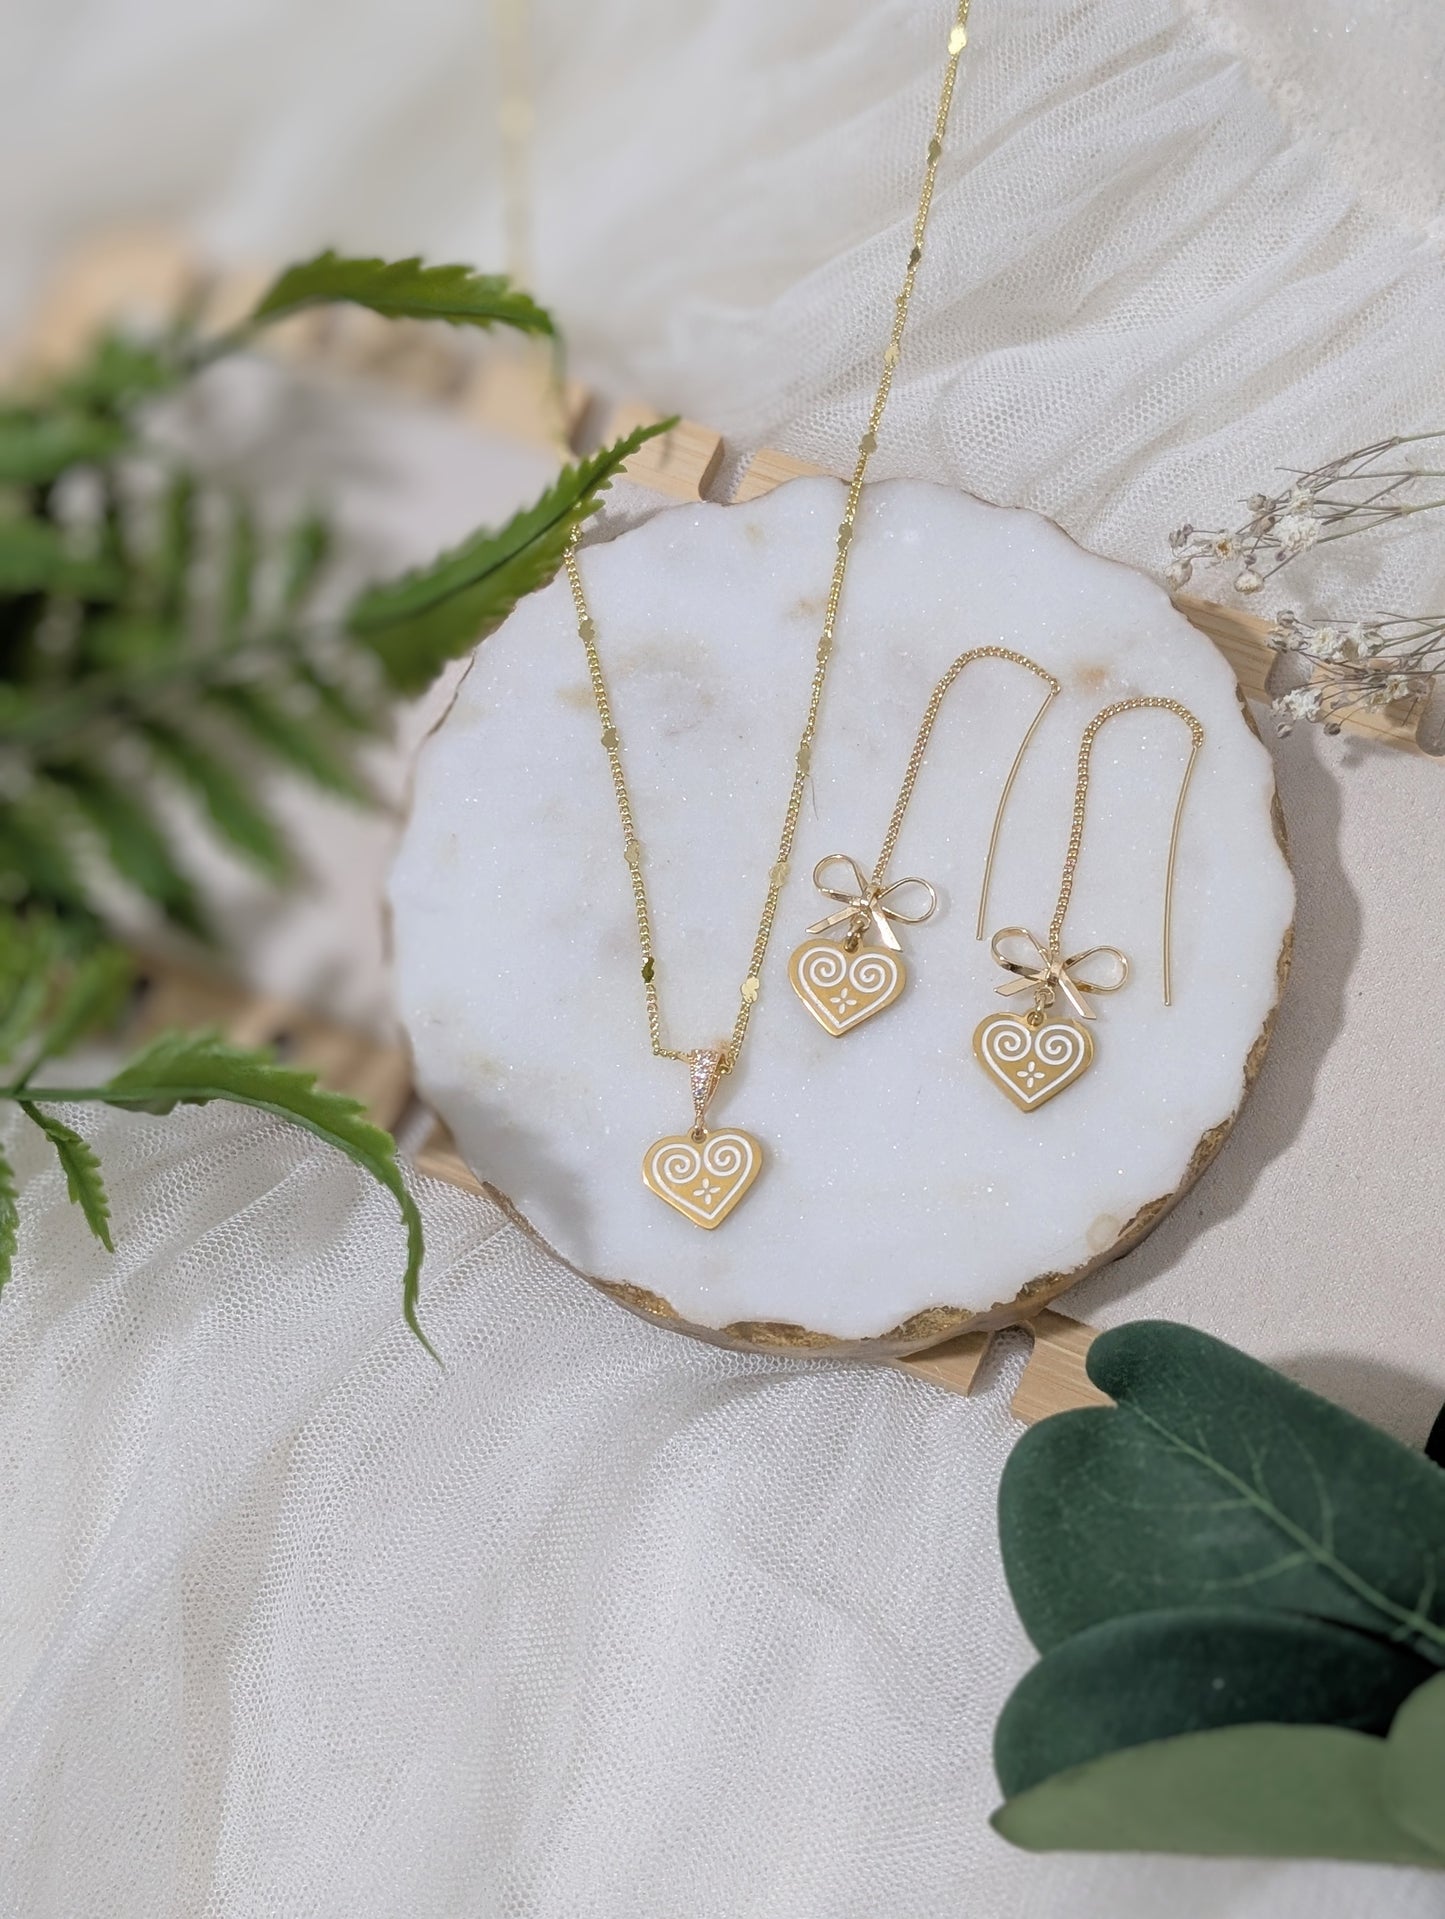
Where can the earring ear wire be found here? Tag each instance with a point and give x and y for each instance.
(1135, 704)
(1008, 786)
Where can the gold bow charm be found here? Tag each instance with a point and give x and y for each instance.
(868, 902)
(1048, 975)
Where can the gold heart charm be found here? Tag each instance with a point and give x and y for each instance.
(1030, 1063)
(842, 989)
(703, 1179)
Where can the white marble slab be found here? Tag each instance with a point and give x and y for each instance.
(898, 1180)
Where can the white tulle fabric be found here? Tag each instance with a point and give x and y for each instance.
(594, 1623)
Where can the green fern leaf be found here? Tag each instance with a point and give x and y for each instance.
(118, 372)
(404, 289)
(176, 550)
(339, 703)
(9, 1220)
(260, 713)
(308, 547)
(193, 1068)
(31, 948)
(90, 997)
(35, 860)
(229, 807)
(37, 447)
(416, 624)
(37, 557)
(240, 580)
(82, 1171)
(134, 842)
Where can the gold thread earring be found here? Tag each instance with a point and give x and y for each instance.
(843, 982)
(1032, 1057)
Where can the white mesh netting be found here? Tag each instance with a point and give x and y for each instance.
(595, 1623)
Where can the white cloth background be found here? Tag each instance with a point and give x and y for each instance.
(595, 1621)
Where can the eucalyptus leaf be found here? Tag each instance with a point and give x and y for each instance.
(417, 623)
(1215, 1481)
(1149, 1676)
(1414, 1765)
(1268, 1792)
(404, 289)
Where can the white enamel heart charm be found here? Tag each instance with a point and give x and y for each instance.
(1032, 1064)
(703, 1179)
(842, 989)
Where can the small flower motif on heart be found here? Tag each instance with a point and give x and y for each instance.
(706, 1193)
(1029, 1076)
(843, 1002)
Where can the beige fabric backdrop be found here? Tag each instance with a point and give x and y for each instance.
(596, 1622)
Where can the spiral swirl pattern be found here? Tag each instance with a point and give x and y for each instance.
(1032, 1065)
(842, 989)
(703, 1179)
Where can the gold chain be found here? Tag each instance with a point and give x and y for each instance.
(920, 746)
(778, 872)
(1076, 828)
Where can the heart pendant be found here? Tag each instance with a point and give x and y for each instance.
(1032, 1064)
(842, 989)
(703, 1179)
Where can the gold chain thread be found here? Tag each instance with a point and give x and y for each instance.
(777, 873)
(1137, 704)
(920, 748)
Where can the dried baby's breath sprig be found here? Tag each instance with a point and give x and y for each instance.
(1363, 666)
(1356, 666)
(1355, 493)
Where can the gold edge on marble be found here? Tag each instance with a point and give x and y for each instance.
(933, 1325)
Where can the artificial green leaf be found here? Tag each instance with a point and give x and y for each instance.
(338, 703)
(1414, 1765)
(240, 578)
(1262, 1792)
(294, 740)
(9, 1220)
(82, 1171)
(176, 548)
(35, 860)
(125, 644)
(118, 371)
(89, 997)
(193, 1068)
(307, 547)
(31, 948)
(1215, 1481)
(1149, 1676)
(229, 806)
(416, 624)
(134, 842)
(404, 289)
(36, 447)
(37, 557)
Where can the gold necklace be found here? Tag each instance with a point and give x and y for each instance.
(703, 1174)
(1029, 1056)
(843, 983)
